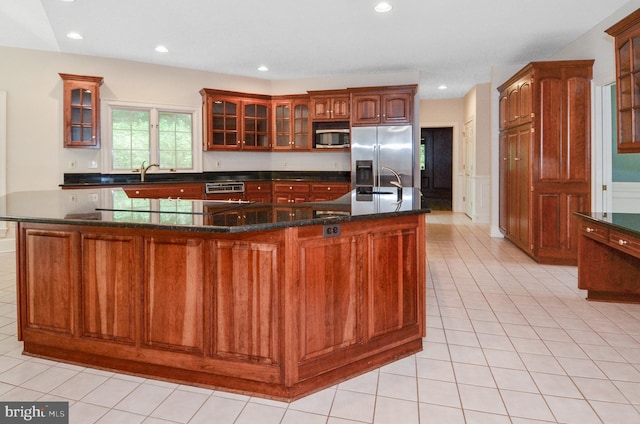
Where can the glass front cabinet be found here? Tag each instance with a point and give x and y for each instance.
(627, 50)
(81, 104)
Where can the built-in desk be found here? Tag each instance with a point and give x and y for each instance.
(609, 256)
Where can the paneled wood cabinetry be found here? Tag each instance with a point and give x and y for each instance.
(609, 260)
(627, 49)
(290, 192)
(258, 191)
(382, 106)
(297, 192)
(323, 192)
(330, 105)
(81, 109)
(167, 191)
(235, 121)
(545, 162)
(291, 123)
(279, 313)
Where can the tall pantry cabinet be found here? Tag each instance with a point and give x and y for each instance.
(545, 157)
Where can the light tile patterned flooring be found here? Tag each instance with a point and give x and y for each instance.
(508, 341)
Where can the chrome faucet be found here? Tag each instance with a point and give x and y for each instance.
(397, 183)
(144, 169)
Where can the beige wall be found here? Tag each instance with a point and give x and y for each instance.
(36, 159)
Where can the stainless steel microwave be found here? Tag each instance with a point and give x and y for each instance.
(334, 138)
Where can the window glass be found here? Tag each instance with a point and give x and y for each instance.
(130, 138)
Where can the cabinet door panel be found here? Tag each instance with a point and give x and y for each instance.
(50, 284)
(549, 212)
(550, 153)
(329, 310)
(110, 275)
(392, 261)
(174, 293)
(397, 108)
(245, 301)
(523, 187)
(577, 165)
(366, 109)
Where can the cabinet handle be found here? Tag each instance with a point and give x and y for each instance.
(516, 158)
(589, 230)
(622, 242)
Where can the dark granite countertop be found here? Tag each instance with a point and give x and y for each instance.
(111, 207)
(77, 180)
(628, 222)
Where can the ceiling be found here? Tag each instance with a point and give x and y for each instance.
(450, 42)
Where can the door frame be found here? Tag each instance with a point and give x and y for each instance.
(457, 183)
(601, 172)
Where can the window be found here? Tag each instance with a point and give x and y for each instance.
(162, 135)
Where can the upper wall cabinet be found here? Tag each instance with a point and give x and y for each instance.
(81, 103)
(330, 105)
(235, 121)
(291, 123)
(382, 105)
(627, 45)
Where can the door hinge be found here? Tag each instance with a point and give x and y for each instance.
(533, 130)
(604, 187)
(531, 189)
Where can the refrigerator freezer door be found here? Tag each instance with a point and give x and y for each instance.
(364, 142)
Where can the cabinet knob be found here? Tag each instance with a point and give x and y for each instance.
(622, 242)
(181, 190)
(516, 158)
(290, 188)
(328, 188)
(137, 191)
(589, 230)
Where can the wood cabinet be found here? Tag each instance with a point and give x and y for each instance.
(291, 123)
(330, 105)
(545, 161)
(193, 191)
(609, 259)
(627, 52)
(382, 105)
(290, 192)
(259, 191)
(235, 121)
(81, 110)
(324, 192)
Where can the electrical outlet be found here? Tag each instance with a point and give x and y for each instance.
(72, 164)
(93, 197)
(92, 164)
(73, 198)
(217, 164)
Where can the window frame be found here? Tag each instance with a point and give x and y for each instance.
(154, 110)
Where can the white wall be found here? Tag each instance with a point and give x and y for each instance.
(36, 159)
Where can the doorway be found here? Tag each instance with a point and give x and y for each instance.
(436, 167)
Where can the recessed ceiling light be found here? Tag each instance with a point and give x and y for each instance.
(383, 7)
(442, 87)
(74, 35)
(263, 68)
(162, 49)
(68, 1)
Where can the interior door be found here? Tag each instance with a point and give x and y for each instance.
(469, 155)
(436, 166)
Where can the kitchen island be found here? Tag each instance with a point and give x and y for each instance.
(266, 299)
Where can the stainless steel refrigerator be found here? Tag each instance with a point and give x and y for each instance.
(378, 154)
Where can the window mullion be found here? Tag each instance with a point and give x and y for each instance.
(154, 151)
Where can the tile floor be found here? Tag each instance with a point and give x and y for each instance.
(509, 341)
